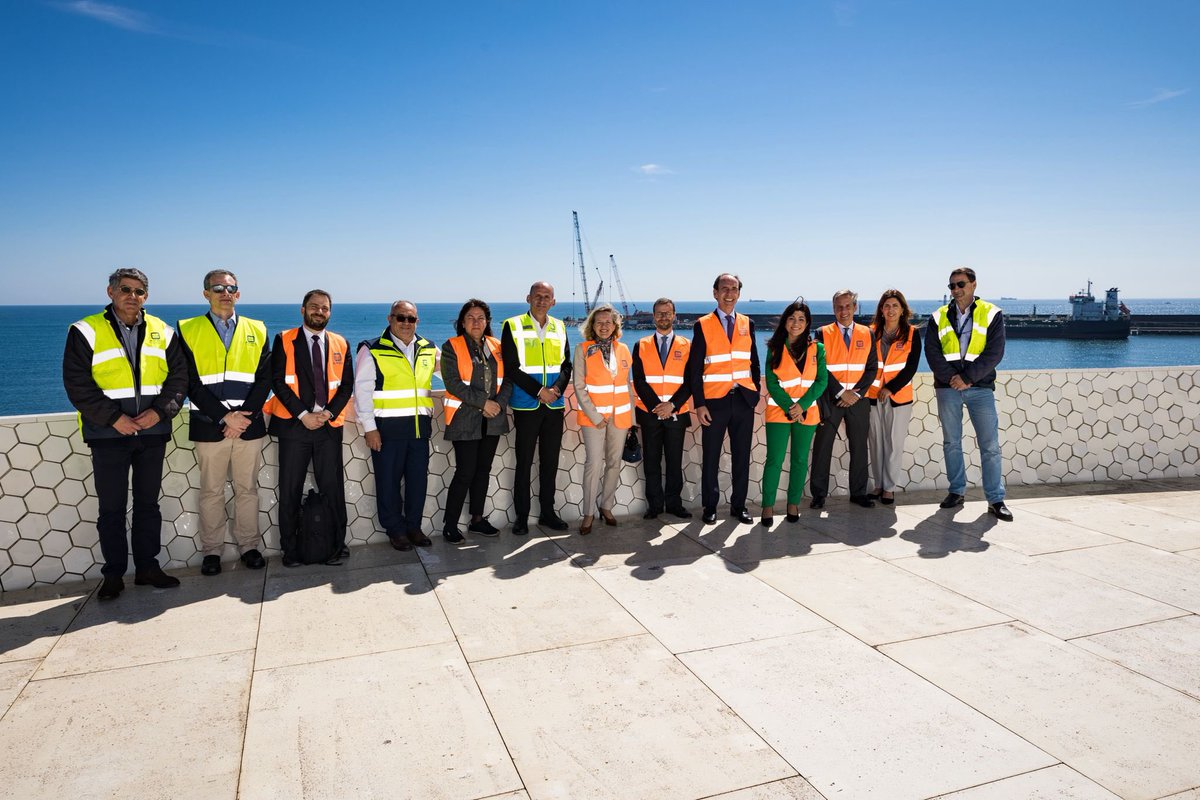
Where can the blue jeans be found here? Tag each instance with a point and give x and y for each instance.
(981, 405)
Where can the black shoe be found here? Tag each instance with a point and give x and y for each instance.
(743, 517)
(453, 536)
(111, 587)
(1000, 512)
(483, 528)
(863, 500)
(792, 517)
(253, 559)
(710, 516)
(290, 562)
(817, 502)
(951, 500)
(211, 565)
(521, 529)
(552, 522)
(767, 522)
(418, 539)
(399, 542)
(154, 576)
(651, 514)
(343, 552)
(887, 501)
(680, 511)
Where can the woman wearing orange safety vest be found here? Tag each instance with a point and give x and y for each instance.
(604, 393)
(796, 377)
(475, 403)
(898, 348)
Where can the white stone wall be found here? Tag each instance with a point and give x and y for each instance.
(1056, 427)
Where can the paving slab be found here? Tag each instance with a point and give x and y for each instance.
(620, 719)
(1158, 574)
(1167, 651)
(856, 724)
(873, 600)
(401, 724)
(1190, 553)
(1125, 520)
(788, 789)
(1184, 504)
(1030, 534)
(1133, 736)
(750, 545)
(31, 622)
(316, 617)
(704, 603)
(631, 543)
(13, 677)
(202, 616)
(508, 610)
(480, 552)
(1059, 601)
(365, 556)
(1059, 782)
(898, 533)
(171, 729)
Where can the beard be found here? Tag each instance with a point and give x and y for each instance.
(315, 323)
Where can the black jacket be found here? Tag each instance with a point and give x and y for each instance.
(208, 425)
(301, 400)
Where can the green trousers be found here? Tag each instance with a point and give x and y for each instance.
(778, 434)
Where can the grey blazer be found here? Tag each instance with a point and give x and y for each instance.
(468, 423)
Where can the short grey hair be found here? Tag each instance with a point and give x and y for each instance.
(214, 273)
(845, 293)
(114, 280)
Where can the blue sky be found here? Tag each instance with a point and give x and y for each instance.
(436, 150)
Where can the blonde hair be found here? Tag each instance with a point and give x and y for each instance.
(587, 327)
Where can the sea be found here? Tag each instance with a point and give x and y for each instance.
(34, 336)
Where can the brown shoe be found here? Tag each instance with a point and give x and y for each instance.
(608, 518)
(585, 527)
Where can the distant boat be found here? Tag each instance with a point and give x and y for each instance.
(756, 301)
(1008, 298)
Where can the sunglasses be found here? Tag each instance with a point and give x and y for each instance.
(957, 284)
(404, 318)
(222, 288)
(134, 290)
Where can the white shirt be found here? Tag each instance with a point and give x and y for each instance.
(308, 343)
(364, 379)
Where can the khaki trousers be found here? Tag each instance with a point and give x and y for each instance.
(238, 461)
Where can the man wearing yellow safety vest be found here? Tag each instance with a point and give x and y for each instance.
(229, 380)
(964, 343)
(393, 399)
(126, 374)
(537, 359)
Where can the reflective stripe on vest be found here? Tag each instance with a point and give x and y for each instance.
(726, 363)
(846, 364)
(111, 369)
(336, 351)
(540, 359)
(664, 380)
(795, 382)
(466, 370)
(403, 389)
(609, 392)
(229, 374)
(985, 312)
(890, 364)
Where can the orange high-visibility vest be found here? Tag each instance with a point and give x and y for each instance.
(609, 392)
(336, 351)
(846, 364)
(664, 379)
(796, 382)
(726, 363)
(890, 363)
(466, 368)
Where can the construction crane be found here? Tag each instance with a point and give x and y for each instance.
(599, 289)
(612, 265)
(587, 304)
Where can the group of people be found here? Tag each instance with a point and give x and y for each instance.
(128, 373)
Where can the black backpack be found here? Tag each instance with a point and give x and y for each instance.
(317, 539)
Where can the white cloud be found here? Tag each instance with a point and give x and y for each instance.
(654, 169)
(117, 16)
(1159, 96)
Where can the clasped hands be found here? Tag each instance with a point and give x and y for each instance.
(129, 426)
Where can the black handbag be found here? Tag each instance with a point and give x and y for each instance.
(633, 447)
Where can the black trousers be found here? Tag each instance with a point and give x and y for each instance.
(538, 429)
(733, 415)
(112, 461)
(473, 473)
(662, 439)
(858, 427)
(401, 479)
(323, 450)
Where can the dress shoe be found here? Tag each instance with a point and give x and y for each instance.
(290, 562)
(553, 522)
(651, 514)
(418, 539)
(211, 565)
(887, 501)
(521, 528)
(793, 513)
(863, 500)
(792, 517)
(1000, 512)
(399, 542)
(680, 511)
(343, 552)
(483, 528)
(817, 502)
(608, 518)
(453, 536)
(585, 527)
(767, 522)
(154, 576)
(951, 500)
(111, 587)
(253, 559)
(710, 516)
(743, 517)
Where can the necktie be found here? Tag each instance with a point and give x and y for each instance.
(729, 326)
(320, 388)
(663, 349)
(846, 336)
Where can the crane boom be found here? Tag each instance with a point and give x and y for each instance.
(587, 306)
(612, 263)
(599, 289)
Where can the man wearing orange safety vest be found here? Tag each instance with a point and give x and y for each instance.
(312, 375)
(724, 375)
(660, 382)
(852, 364)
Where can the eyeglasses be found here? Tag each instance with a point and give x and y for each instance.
(957, 284)
(222, 288)
(405, 318)
(134, 290)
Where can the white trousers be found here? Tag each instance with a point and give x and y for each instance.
(602, 448)
(889, 429)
